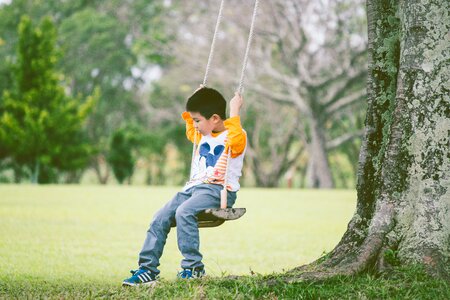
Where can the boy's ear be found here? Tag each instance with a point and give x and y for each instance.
(216, 117)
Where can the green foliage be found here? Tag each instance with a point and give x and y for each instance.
(132, 141)
(120, 155)
(152, 37)
(101, 42)
(108, 39)
(163, 96)
(391, 257)
(184, 146)
(95, 39)
(40, 127)
(96, 56)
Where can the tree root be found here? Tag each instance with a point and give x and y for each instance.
(346, 259)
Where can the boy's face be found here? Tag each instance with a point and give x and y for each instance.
(203, 125)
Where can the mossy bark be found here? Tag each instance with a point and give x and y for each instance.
(402, 213)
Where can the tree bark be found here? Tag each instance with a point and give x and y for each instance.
(402, 215)
(319, 172)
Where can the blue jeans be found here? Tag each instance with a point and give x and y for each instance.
(183, 208)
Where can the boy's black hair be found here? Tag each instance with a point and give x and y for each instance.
(207, 102)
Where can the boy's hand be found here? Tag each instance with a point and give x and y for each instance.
(236, 104)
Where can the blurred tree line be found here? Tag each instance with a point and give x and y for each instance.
(98, 86)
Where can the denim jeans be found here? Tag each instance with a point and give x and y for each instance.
(183, 208)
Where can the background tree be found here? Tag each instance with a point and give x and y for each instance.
(274, 147)
(165, 102)
(313, 56)
(312, 51)
(40, 127)
(117, 42)
(307, 57)
(120, 156)
(115, 46)
(402, 214)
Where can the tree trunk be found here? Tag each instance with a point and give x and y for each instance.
(73, 177)
(35, 170)
(97, 164)
(402, 214)
(19, 173)
(319, 172)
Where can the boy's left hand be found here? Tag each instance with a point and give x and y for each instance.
(236, 104)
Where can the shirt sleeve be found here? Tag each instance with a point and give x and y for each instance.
(190, 129)
(237, 138)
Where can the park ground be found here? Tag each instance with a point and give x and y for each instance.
(70, 242)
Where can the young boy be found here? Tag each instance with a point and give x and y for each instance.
(207, 126)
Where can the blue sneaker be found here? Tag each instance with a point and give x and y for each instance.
(191, 273)
(139, 277)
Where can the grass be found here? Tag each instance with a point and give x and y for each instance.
(80, 242)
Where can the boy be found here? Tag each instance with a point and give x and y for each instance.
(205, 126)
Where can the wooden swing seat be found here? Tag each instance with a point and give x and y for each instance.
(213, 217)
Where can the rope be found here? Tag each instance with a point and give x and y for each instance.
(208, 67)
(223, 200)
(213, 43)
(224, 193)
(247, 50)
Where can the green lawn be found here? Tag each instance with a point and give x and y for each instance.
(80, 242)
(79, 232)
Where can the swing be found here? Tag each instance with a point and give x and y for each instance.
(214, 217)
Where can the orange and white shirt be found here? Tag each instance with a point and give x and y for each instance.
(210, 158)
